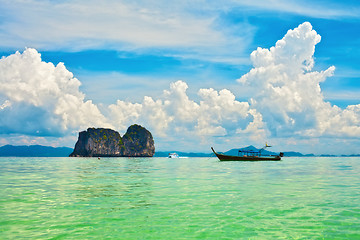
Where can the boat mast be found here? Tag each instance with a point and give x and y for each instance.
(266, 146)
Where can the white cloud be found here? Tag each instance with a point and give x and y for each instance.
(6, 104)
(125, 113)
(139, 24)
(38, 98)
(327, 10)
(183, 30)
(256, 130)
(42, 99)
(287, 91)
(113, 23)
(197, 30)
(181, 106)
(174, 114)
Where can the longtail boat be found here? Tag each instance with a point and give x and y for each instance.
(244, 155)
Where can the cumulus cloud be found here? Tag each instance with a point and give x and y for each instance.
(174, 113)
(42, 99)
(288, 93)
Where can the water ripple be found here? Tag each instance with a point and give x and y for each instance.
(192, 198)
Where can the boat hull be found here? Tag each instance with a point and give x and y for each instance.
(223, 157)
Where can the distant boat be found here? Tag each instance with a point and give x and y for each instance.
(244, 155)
(173, 155)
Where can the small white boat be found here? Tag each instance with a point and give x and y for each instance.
(173, 155)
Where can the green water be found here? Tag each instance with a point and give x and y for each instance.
(186, 198)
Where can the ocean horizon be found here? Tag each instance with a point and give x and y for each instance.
(184, 198)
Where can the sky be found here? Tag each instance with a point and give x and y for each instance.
(196, 74)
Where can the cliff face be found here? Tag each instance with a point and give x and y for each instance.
(138, 142)
(101, 142)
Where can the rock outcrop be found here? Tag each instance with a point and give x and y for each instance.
(102, 142)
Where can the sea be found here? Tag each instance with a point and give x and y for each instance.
(181, 198)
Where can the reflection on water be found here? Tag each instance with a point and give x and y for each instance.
(121, 181)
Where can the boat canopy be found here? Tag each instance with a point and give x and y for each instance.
(249, 153)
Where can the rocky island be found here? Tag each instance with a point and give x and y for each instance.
(103, 142)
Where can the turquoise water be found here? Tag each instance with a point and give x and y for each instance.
(186, 198)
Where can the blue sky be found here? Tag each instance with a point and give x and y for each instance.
(196, 74)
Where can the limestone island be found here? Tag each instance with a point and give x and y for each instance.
(103, 142)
